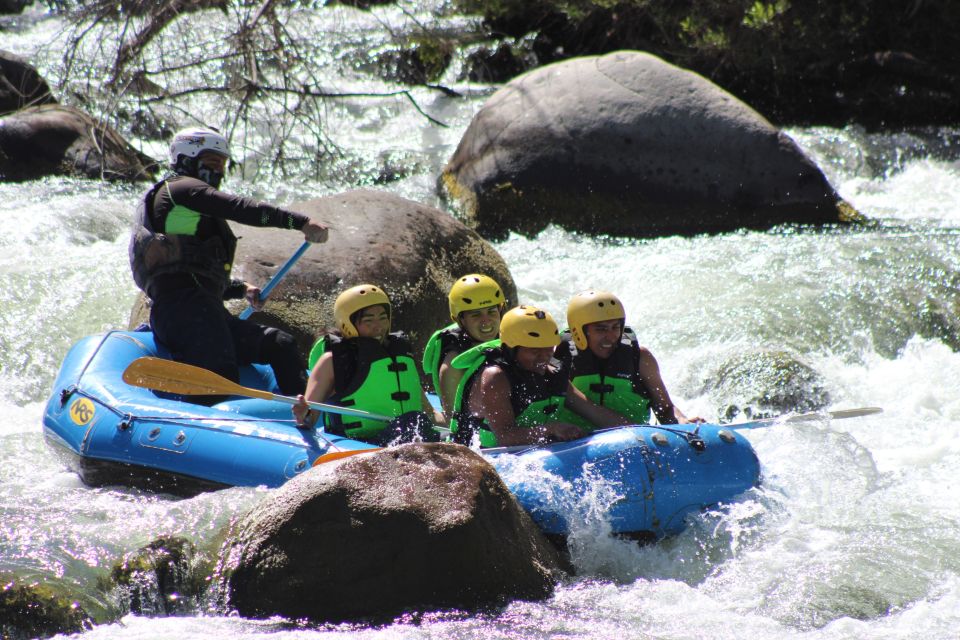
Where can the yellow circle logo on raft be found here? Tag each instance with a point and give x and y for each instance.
(82, 411)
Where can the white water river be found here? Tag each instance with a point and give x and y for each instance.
(855, 533)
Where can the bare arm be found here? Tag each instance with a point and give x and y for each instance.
(490, 400)
(437, 416)
(450, 378)
(319, 388)
(600, 416)
(663, 407)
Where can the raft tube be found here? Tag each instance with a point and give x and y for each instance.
(112, 433)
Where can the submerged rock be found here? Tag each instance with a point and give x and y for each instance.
(161, 578)
(30, 609)
(53, 139)
(413, 528)
(765, 384)
(627, 144)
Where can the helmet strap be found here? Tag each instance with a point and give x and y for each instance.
(185, 166)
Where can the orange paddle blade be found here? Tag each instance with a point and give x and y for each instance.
(336, 455)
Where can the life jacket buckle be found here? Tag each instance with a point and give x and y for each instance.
(397, 367)
(600, 387)
(400, 396)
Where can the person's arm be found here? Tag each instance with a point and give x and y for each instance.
(437, 416)
(319, 388)
(450, 378)
(663, 407)
(199, 196)
(490, 400)
(598, 415)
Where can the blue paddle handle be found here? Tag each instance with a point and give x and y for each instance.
(277, 277)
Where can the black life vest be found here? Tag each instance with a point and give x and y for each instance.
(615, 382)
(154, 254)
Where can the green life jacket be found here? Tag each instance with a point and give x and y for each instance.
(443, 341)
(615, 382)
(178, 250)
(372, 376)
(535, 399)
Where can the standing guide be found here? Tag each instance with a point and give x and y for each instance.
(182, 251)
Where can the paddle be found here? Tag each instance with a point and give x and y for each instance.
(343, 453)
(755, 424)
(186, 379)
(807, 417)
(246, 313)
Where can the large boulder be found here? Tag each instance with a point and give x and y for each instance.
(20, 84)
(54, 139)
(628, 144)
(413, 251)
(414, 528)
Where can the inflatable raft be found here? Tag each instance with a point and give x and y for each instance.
(112, 433)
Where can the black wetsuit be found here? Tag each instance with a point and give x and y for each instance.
(187, 314)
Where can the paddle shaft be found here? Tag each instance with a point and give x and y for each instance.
(246, 313)
(177, 377)
(756, 424)
(807, 417)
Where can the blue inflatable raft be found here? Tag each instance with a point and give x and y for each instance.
(112, 433)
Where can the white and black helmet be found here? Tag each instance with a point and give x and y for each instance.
(192, 142)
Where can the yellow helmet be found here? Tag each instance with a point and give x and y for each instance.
(474, 291)
(591, 306)
(527, 326)
(354, 299)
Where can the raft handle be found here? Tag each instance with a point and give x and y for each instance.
(695, 441)
(66, 393)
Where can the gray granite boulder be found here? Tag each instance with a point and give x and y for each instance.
(419, 527)
(627, 144)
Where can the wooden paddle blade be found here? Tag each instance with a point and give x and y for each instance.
(176, 377)
(336, 455)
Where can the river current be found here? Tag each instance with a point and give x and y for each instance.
(855, 532)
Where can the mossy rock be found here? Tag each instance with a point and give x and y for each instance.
(765, 384)
(34, 609)
(165, 577)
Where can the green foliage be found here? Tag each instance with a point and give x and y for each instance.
(701, 35)
(761, 15)
(434, 53)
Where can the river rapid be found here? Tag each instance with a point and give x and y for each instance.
(855, 531)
